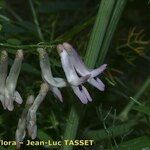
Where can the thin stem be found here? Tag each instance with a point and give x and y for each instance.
(36, 21)
(124, 114)
(26, 46)
(120, 4)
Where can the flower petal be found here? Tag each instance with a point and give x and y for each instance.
(46, 70)
(56, 92)
(76, 59)
(68, 68)
(2, 99)
(79, 64)
(87, 94)
(98, 71)
(3, 75)
(97, 83)
(60, 82)
(80, 94)
(18, 97)
(80, 80)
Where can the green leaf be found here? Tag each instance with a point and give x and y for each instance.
(143, 109)
(136, 144)
(111, 132)
(111, 29)
(43, 136)
(98, 32)
(14, 41)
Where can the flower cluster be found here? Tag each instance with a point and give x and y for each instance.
(8, 93)
(76, 74)
(75, 70)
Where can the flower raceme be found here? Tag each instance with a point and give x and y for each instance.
(75, 70)
(54, 83)
(8, 93)
(73, 64)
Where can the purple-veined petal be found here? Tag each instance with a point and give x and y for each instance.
(80, 80)
(97, 83)
(80, 94)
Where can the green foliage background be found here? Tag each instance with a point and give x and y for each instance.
(116, 33)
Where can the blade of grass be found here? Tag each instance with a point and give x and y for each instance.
(111, 29)
(114, 131)
(138, 143)
(98, 33)
(36, 21)
(124, 114)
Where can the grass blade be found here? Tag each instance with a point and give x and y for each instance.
(124, 114)
(36, 21)
(98, 135)
(99, 30)
(111, 29)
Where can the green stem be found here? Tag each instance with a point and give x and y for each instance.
(124, 114)
(36, 21)
(26, 46)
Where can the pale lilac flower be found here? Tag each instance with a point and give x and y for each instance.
(83, 70)
(31, 116)
(10, 88)
(72, 77)
(21, 128)
(54, 83)
(3, 75)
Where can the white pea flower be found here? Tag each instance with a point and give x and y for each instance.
(11, 94)
(73, 79)
(83, 70)
(54, 82)
(31, 116)
(21, 128)
(3, 75)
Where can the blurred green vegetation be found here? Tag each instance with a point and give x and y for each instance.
(27, 24)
